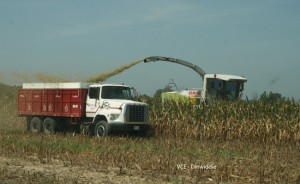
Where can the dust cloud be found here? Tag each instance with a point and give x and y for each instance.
(14, 77)
(104, 76)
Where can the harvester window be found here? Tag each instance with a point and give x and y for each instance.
(220, 84)
(232, 90)
(212, 84)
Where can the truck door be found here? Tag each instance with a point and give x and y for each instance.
(93, 101)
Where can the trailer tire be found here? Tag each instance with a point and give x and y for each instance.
(49, 125)
(102, 129)
(36, 125)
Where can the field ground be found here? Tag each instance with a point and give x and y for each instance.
(15, 170)
(68, 158)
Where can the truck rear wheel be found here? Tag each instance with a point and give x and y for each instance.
(49, 125)
(36, 125)
(102, 128)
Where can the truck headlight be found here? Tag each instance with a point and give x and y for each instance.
(114, 116)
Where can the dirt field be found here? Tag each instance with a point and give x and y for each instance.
(37, 158)
(14, 170)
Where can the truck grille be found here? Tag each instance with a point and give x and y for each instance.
(137, 113)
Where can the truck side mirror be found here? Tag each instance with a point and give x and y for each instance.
(133, 92)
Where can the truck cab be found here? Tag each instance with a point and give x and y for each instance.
(112, 109)
(221, 86)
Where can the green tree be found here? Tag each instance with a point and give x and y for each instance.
(265, 96)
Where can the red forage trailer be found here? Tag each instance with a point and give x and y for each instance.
(53, 99)
(46, 104)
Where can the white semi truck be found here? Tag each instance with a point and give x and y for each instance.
(97, 108)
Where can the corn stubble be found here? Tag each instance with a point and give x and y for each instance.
(232, 161)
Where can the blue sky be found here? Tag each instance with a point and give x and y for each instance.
(259, 39)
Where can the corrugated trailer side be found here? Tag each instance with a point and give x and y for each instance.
(52, 99)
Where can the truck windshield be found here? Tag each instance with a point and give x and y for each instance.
(116, 92)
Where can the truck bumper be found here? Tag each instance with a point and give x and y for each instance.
(121, 127)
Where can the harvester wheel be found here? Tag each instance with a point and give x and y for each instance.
(36, 125)
(49, 125)
(102, 128)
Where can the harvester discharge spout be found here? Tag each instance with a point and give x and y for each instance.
(196, 68)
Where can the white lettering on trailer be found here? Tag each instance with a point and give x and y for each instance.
(50, 107)
(44, 107)
(66, 108)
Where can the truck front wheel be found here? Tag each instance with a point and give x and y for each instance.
(36, 125)
(49, 125)
(101, 128)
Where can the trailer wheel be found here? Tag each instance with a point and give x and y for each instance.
(49, 125)
(36, 125)
(102, 128)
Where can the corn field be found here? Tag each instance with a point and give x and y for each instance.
(256, 121)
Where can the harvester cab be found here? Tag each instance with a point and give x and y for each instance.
(215, 86)
(225, 87)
